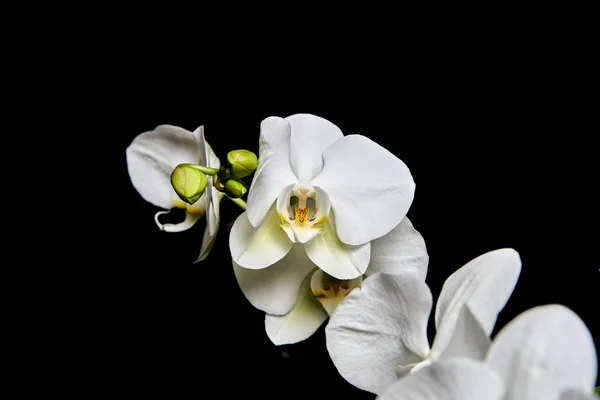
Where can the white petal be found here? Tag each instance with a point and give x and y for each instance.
(458, 379)
(214, 210)
(213, 160)
(403, 249)
(198, 134)
(572, 394)
(258, 248)
(213, 219)
(208, 157)
(302, 234)
(273, 172)
(187, 223)
(370, 189)
(151, 158)
(543, 351)
(275, 289)
(212, 196)
(405, 369)
(300, 323)
(469, 339)
(310, 136)
(288, 231)
(339, 260)
(378, 327)
(485, 284)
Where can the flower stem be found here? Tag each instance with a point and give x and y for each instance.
(239, 202)
(206, 170)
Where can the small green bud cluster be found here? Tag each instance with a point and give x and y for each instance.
(189, 181)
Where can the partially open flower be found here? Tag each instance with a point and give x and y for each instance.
(546, 352)
(379, 332)
(331, 194)
(151, 158)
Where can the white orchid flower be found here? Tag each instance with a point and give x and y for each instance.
(297, 296)
(379, 332)
(451, 379)
(331, 194)
(151, 158)
(546, 352)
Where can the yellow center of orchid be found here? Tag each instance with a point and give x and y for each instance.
(198, 207)
(301, 200)
(331, 291)
(299, 213)
(302, 213)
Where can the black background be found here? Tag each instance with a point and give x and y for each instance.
(498, 149)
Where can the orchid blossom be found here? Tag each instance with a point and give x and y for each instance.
(379, 332)
(546, 352)
(151, 158)
(297, 296)
(322, 193)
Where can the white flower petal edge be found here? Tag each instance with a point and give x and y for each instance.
(572, 394)
(379, 326)
(339, 260)
(258, 248)
(209, 159)
(310, 136)
(469, 339)
(189, 221)
(275, 289)
(152, 156)
(274, 171)
(198, 134)
(484, 284)
(213, 220)
(403, 249)
(458, 379)
(370, 189)
(542, 352)
(301, 322)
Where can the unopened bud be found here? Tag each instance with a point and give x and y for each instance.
(243, 162)
(235, 189)
(189, 183)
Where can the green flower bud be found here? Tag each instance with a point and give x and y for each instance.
(235, 189)
(243, 162)
(189, 183)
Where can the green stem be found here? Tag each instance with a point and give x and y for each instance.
(206, 170)
(239, 202)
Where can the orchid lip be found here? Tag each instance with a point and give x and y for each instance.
(330, 291)
(303, 210)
